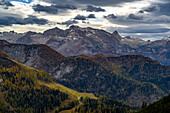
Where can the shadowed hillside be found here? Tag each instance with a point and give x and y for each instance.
(116, 77)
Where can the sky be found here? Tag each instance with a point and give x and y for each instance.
(145, 19)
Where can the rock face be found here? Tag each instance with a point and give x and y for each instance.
(97, 74)
(11, 36)
(76, 41)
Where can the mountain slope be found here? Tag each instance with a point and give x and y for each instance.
(143, 69)
(137, 67)
(21, 92)
(24, 89)
(161, 106)
(85, 74)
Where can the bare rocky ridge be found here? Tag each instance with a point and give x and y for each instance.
(76, 40)
(11, 36)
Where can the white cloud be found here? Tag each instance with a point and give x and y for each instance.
(121, 11)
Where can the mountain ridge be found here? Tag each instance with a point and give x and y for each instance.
(76, 40)
(92, 73)
(25, 89)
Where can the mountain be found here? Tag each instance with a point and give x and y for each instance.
(142, 69)
(166, 38)
(79, 40)
(115, 77)
(161, 106)
(11, 36)
(76, 41)
(25, 89)
(20, 91)
(133, 42)
(137, 67)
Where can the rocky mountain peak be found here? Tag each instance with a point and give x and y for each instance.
(166, 38)
(116, 34)
(12, 32)
(77, 28)
(53, 32)
(30, 33)
(74, 27)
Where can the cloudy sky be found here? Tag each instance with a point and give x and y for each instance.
(146, 19)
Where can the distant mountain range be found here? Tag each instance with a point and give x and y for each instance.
(76, 41)
(131, 78)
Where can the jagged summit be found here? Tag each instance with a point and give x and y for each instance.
(116, 34)
(53, 32)
(30, 33)
(166, 38)
(85, 29)
(74, 27)
(86, 40)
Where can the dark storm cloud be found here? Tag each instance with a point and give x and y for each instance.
(91, 8)
(159, 8)
(135, 17)
(69, 22)
(152, 32)
(142, 29)
(141, 11)
(152, 9)
(6, 3)
(47, 9)
(158, 19)
(53, 9)
(92, 2)
(164, 9)
(110, 16)
(80, 17)
(34, 20)
(145, 30)
(66, 6)
(91, 16)
(10, 20)
(104, 2)
(55, 1)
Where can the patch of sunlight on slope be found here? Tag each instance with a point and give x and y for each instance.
(24, 67)
(67, 90)
(73, 95)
